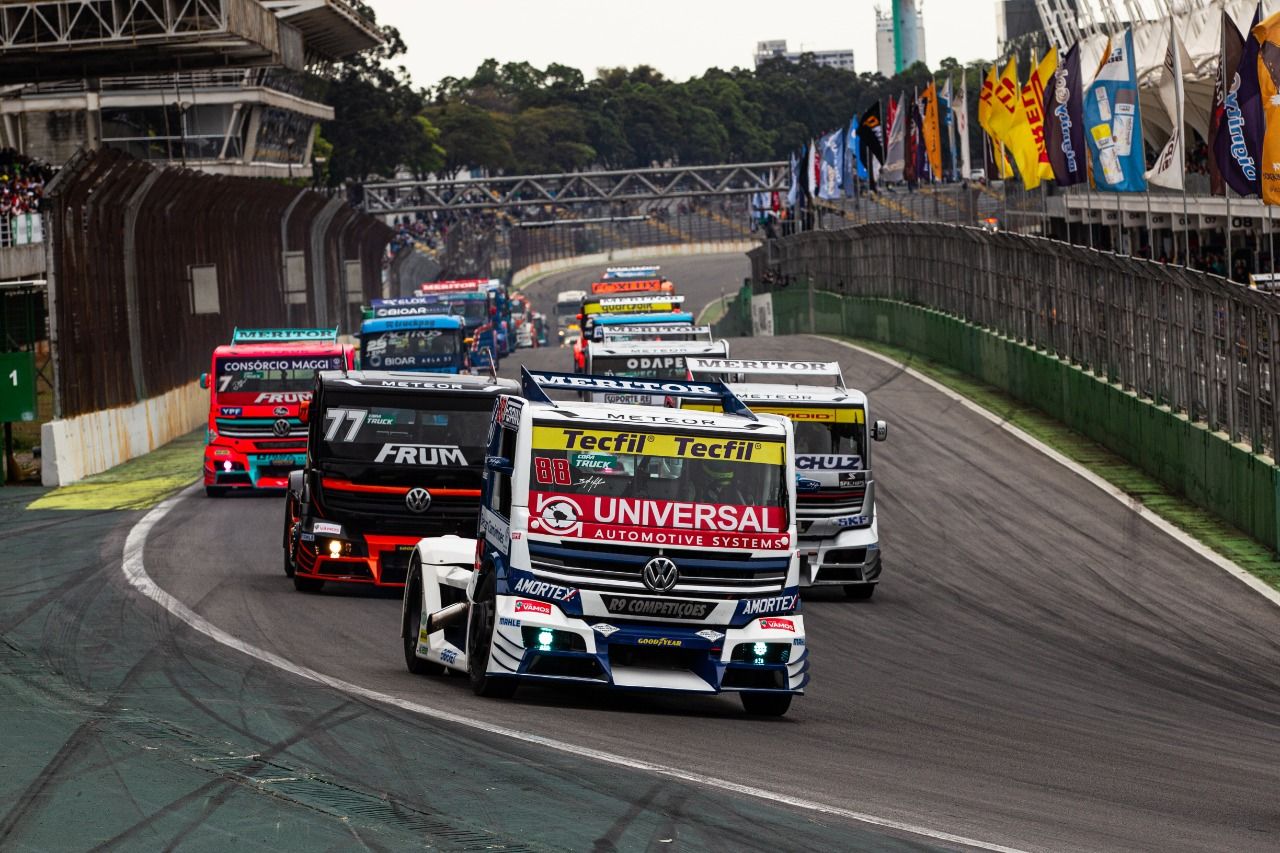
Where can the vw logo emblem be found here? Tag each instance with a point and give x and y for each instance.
(418, 500)
(660, 574)
(280, 427)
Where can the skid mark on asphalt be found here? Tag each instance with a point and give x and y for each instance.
(135, 572)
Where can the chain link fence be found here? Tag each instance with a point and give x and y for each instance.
(1193, 342)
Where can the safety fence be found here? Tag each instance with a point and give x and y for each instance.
(1169, 367)
(151, 268)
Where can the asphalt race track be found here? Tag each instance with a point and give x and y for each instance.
(1040, 668)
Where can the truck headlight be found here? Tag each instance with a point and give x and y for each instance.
(335, 548)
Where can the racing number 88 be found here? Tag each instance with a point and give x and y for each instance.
(552, 471)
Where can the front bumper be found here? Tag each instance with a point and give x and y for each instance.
(235, 469)
(849, 557)
(647, 656)
(364, 559)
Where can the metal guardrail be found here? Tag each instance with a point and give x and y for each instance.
(1197, 343)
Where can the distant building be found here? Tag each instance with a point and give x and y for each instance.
(899, 37)
(777, 49)
(1015, 19)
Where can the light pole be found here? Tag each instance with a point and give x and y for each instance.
(291, 142)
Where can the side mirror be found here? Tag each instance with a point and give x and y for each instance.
(499, 464)
(304, 411)
(879, 431)
(468, 341)
(204, 381)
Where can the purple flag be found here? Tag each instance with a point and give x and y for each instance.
(1064, 124)
(1239, 139)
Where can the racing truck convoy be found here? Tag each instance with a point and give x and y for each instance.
(390, 458)
(624, 546)
(256, 387)
(644, 309)
(835, 502)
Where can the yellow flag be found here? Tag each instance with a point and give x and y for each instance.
(1009, 125)
(1268, 35)
(1003, 169)
(932, 132)
(1033, 104)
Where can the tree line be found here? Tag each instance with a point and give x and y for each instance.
(514, 118)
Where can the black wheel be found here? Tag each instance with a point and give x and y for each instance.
(859, 591)
(288, 538)
(413, 619)
(302, 584)
(479, 643)
(215, 491)
(766, 704)
(288, 564)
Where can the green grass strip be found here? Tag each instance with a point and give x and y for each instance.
(140, 483)
(1213, 532)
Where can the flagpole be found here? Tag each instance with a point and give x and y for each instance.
(1226, 193)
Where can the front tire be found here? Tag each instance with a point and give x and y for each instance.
(302, 584)
(480, 644)
(766, 704)
(859, 591)
(413, 621)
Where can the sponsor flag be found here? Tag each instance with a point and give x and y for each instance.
(1217, 186)
(1170, 166)
(1267, 35)
(1113, 122)
(1064, 122)
(813, 169)
(961, 111)
(1238, 143)
(919, 162)
(1009, 125)
(998, 167)
(1033, 104)
(895, 147)
(849, 166)
(831, 166)
(931, 130)
(870, 136)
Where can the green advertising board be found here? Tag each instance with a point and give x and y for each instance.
(17, 386)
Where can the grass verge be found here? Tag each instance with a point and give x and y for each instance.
(140, 483)
(1214, 533)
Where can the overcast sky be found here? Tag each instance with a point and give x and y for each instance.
(681, 38)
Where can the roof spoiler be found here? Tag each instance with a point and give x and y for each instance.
(613, 273)
(769, 368)
(675, 330)
(533, 382)
(281, 336)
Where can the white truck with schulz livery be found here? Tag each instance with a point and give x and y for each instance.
(835, 495)
(629, 547)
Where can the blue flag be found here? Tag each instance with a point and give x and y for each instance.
(1113, 123)
(831, 168)
(793, 192)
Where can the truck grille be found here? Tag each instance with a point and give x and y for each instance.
(259, 428)
(618, 569)
(387, 513)
(830, 503)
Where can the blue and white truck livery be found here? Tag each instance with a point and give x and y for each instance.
(629, 547)
(839, 536)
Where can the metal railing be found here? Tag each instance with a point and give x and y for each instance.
(21, 229)
(1195, 342)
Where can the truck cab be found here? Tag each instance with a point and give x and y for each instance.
(391, 457)
(629, 547)
(647, 360)
(421, 342)
(257, 385)
(839, 534)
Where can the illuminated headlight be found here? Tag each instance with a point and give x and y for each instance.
(551, 640)
(762, 653)
(545, 638)
(760, 649)
(226, 465)
(335, 548)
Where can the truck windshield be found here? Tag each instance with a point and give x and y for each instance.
(473, 312)
(828, 432)
(659, 488)
(647, 366)
(411, 349)
(253, 374)
(411, 429)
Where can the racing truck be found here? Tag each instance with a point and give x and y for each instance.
(431, 342)
(567, 304)
(835, 501)
(256, 386)
(645, 308)
(623, 546)
(391, 457)
(647, 360)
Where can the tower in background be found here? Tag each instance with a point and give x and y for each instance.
(899, 37)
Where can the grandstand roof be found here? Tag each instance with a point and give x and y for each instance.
(332, 29)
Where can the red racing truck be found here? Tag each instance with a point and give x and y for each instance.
(256, 385)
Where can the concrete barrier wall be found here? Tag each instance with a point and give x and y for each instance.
(74, 448)
(1217, 475)
(524, 276)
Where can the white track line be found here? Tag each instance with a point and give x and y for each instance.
(1256, 584)
(135, 572)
